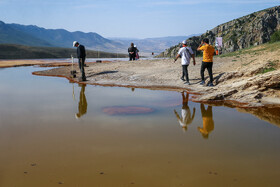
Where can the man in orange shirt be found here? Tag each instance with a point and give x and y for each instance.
(207, 62)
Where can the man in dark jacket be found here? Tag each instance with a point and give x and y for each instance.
(132, 52)
(81, 55)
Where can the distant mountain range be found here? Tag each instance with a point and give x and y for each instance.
(156, 45)
(36, 36)
(15, 51)
(32, 35)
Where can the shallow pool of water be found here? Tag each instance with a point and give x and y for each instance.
(55, 133)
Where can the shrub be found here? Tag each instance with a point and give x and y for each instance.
(275, 37)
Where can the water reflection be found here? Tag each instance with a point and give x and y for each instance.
(82, 102)
(270, 115)
(208, 122)
(186, 118)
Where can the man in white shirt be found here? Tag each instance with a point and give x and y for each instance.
(186, 53)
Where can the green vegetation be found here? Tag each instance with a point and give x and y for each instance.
(271, 66)
(275, 37)
(249, 62)
(12, 51)
(265, 70)
(254, 50)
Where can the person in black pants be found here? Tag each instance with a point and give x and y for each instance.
(132, 52)
(186, 54)
(207, 62)
(208, 66)
(81, 55)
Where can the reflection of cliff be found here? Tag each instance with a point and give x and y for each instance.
(271, 115)
(82, 102)
(208, 122)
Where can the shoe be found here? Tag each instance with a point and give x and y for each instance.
(187, 83)
(210, 85)
(183, 79)
(202, 83)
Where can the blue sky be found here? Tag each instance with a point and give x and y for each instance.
(127, 18)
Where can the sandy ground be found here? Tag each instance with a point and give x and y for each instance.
(42, 63)
(162, 74)
(14, 63)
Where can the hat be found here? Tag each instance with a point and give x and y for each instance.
(74, 43)
(184, 42)
(135, 46)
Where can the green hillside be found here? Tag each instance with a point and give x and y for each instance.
(12, 51)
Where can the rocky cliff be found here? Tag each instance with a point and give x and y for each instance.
(250, 30)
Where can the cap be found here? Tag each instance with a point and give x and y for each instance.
(184, 42)
(135, 46)
(74, 43)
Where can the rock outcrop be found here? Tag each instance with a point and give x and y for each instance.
(250, 30)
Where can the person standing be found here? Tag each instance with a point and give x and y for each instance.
(136, 52)
(207, 62)
(186, 53)
(132, 52)
(81, 55)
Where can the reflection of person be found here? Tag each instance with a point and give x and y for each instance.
(132, 52)
(186, 118)
(81, 55)
(186, 54)
(82, 102)
(208, 123)
(207, 62)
